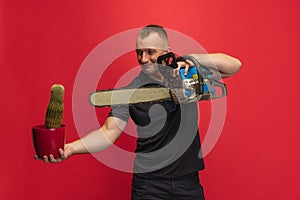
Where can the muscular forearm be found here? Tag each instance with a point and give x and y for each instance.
(91, 143)
(226, 65)
(100, 139)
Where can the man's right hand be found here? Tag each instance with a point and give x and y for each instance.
(64, 154)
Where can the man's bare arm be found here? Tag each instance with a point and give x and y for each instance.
(95, 141)
(222, 65)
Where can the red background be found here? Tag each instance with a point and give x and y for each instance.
(45, 42)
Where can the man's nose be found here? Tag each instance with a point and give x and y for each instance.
(145, 57)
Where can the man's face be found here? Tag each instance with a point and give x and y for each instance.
(148, 50)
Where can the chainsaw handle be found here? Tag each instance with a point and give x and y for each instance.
(222, 86)
(166, 58)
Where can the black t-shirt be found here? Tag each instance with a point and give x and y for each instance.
(168, 143)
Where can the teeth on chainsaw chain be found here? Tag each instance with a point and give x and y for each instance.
(174, 97)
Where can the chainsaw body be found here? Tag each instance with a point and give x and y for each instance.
(198, 84)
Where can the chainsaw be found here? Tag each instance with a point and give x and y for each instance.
(197, 85)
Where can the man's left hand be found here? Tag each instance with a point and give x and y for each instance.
(182, 64)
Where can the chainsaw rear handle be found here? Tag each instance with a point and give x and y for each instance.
(222, 86)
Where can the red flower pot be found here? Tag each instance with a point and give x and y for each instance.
(48, 141)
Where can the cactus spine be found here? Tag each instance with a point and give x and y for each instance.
(55, 107)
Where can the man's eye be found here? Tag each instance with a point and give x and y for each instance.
(138, 52)
(151, 51)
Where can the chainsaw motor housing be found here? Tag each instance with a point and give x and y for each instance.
(198, 84)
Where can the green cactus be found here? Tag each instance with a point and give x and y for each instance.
(55, 107)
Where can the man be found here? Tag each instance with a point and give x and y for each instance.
(168, 151)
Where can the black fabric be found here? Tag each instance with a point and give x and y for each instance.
(168, 143)
(185, 187)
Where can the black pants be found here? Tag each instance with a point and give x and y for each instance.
(185, 187)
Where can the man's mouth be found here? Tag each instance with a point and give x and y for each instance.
(147, 66)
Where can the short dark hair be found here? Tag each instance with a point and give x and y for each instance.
(154, 28)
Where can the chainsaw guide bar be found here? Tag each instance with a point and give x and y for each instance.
(104, 98)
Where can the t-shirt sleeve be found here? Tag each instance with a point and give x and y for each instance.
(120, 111)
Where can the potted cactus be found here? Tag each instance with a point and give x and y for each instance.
(49, 137)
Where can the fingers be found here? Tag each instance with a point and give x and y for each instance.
(186, 69)
(46, 159)
(176, 72)
(51, 158)
(182, 64)
(62, 155)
